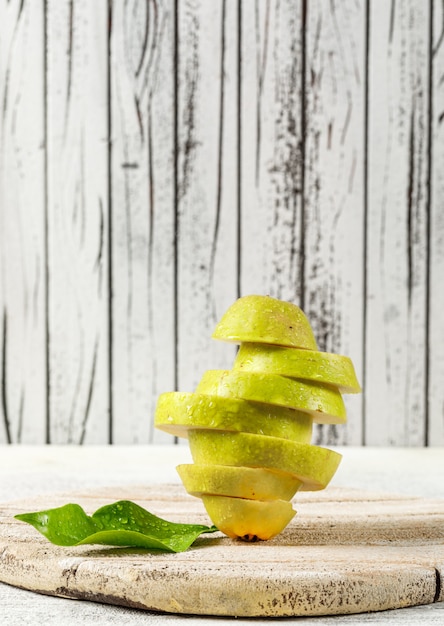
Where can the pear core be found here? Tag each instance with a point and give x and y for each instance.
(264, 319)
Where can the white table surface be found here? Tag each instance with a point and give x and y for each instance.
(27, 471)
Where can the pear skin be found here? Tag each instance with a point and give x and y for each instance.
(248, 519)
(249, 428)
(313, 465)
(264, 319)
(322, 401)
(323, 367)
(177, 412)
(251, 483)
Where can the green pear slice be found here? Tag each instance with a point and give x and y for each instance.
(177, 412)
(253, 483)
(248, 519)
(264, 319)
(313, 465)
(323, 367)
(322, 401)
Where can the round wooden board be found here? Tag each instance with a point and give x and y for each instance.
(345, 552)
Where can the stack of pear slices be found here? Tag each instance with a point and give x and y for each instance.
(249, 428)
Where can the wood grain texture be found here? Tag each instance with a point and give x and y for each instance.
(28, 470)
(435, 433)
(396, 260)
(333, 189)
(77, 210)
(345, 552)
(272, 149)
(20, 605)
(158, 158)
(207, 260)
(22, 225)
(143, 215)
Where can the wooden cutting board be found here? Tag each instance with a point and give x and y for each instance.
(344, 552)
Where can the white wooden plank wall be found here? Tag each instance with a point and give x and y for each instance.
(142, 215)
(207, 219)
(159, 158)
(435, 392)
(334, 187)
(77, 220)
(398, 101)
(23, 266)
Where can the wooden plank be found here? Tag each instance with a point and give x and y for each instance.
(207, 259)
(22, 225)
(272, 149)
(346, 552)
(333, 190)
(436, 242)
(20, 605)
(77, 220)
(396, 226)
(143, 215)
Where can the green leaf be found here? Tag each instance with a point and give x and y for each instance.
(123, 523)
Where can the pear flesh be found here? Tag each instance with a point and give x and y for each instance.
(248, 519)
(323, 367)
(264, 319)
(249, 428)
(176, 413)
(323, 402)
(251, 483)
(313, 465)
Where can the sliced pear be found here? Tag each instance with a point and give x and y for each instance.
(314, 466)
(248, 519)
(265, 319)
(177, 412)
(322, 401)
(323, 367)
(253, 483)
